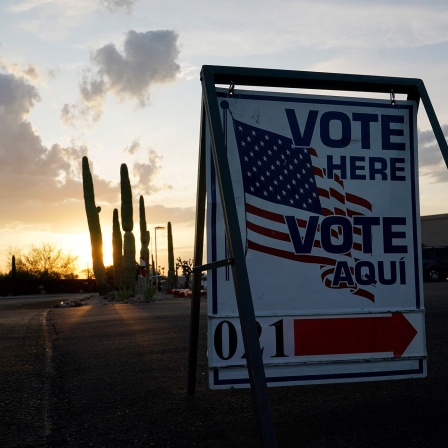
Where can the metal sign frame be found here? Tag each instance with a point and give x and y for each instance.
(210, 115)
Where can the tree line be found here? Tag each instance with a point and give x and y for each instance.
(42, 262)
(49, 262)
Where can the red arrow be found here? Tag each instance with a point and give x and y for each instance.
(343, 335)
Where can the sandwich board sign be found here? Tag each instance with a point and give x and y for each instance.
(326, 191)
(313, 232)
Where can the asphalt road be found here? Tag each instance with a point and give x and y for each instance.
(115, 376)
(25, 366)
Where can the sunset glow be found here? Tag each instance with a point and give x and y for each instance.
(118, 82)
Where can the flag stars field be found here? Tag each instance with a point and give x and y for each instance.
(263, 181)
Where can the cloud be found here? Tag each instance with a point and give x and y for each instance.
(431, 163)
(16, 97)
(28, 5)
(30, 72)
(111, 5)
(93, 93)
(37, 175)
(133, 147)
(28, 170)
(69, 114)
(114, 5)
(146, 59)
(145, 174)
(43, 184)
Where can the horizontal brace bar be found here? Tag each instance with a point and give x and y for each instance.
(243, 76)
(214, 265)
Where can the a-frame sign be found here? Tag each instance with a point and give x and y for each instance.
(313, 213)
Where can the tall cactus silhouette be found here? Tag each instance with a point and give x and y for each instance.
(144, 233)
(171, 274)
(127, 222)
(117, 250)
(93, 221)
(13, 267)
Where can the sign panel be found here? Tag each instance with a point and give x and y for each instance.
(326, 190)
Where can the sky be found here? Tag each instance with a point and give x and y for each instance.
(118, 81)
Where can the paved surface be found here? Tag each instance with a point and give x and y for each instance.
(115, 376)
(25, 367)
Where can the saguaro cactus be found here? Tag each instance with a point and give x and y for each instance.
(13, 267)
(129, 263)
(171, 273)
(93, 221)
(117, 250)
(127, 222)
(144, 233)
(127, 211)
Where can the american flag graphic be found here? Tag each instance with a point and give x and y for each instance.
(285, 186)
